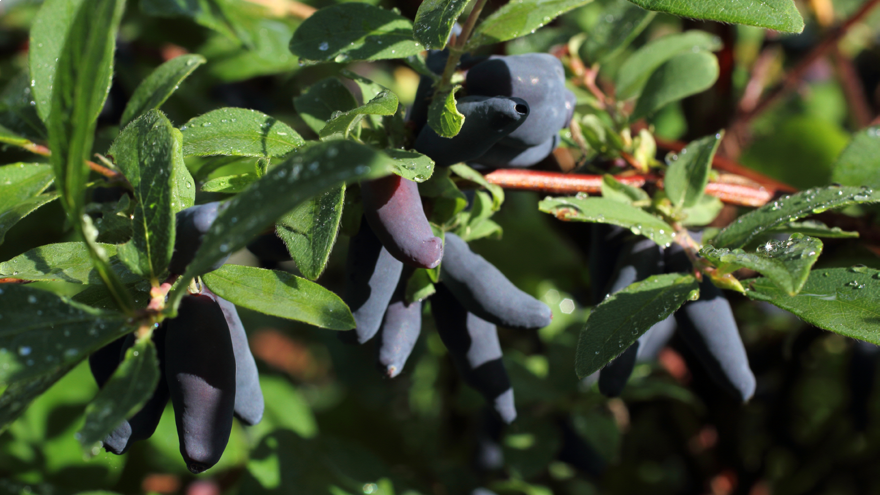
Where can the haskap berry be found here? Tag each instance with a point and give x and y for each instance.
(706, 325)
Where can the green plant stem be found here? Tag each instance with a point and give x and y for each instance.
(456, 51)
(470, 23)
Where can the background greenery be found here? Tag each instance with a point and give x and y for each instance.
(334, 426)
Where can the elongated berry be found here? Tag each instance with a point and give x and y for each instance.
(486, 292)
(487, 120)
(371, 277)
(249, 403)
(393, 208)
(200, 369)
(475, 350)
(400, 330)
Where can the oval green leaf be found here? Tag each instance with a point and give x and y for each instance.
(781, 15)
(639, 66)
(42, 332)
(519, 19)
(238, 132)
(354, 31)
(789, 209)
(841, 300)
(307, 173)
(681, 76)
(145, 154)
(435, 20)
(152, 92)
(602, 210)
(859, 165)
(310, 230)
(280, 294)
(623, 317)
(786, 263)
(688, 172)
(63, 262)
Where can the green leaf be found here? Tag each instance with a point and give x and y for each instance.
(702, 213)
(475, 224)
(113, 219)
(101, 262)
(267, 53)
(19, 395)
(144, 153)
(97, 296)
(688, 172)
(623, 317)
(47, 38)
(130, 387)
(410, 164)
(230, 184)
(42, 332)
(238, 132)
(842, 300)
(22, 181)
(465, 172)
(419, 286)
(813, 142)
(213, 14)
(614, 190)
(322, 100)
(152, 92)
(786, 263)
(858, 164)
(354, 31)
(435, 20)
(639, 66)
(781, 15)
(683, 75)
(448, 199)
(12, 216)
(314, 170)
(280, 294)
(80, 86)
(183, 189)
(64, 262)
(443, 115)
(9, 137)
(18, 113)
(310, 230)
(519, 19)
(340, 126)
(789, 209)
(601, 210)
(813, 228)
(618, 25)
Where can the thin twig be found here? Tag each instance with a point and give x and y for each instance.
(470, 23)
(10, 280)
(112, 175)
(793, 78)
(730, 189)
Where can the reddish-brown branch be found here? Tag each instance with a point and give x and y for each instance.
(730, 189)
(859, 108)
(725, 165)
(280, 8)
(42, 150)
(793, 78)
(11, 280)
